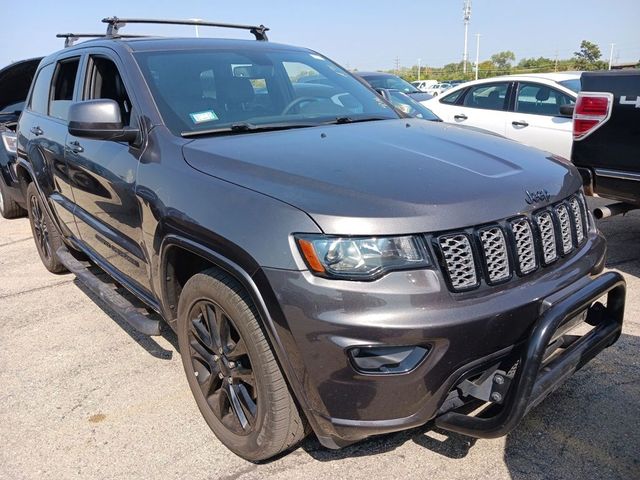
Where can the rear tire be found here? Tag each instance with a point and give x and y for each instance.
(231, 370)
(8, 207)
(45, 233)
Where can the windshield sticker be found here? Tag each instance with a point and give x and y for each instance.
(202, 117)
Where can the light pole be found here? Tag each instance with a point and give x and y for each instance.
(611, 55)
(419, 61)
(477, 53)
(466, 16)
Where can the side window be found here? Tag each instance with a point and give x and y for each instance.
(40, 96)
(538, 99)
(64, 81)
(451, 98)
(104, 81)
(487, 96)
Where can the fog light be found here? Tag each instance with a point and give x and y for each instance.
(387, 360)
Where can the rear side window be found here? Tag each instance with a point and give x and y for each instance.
(538, 99)
(452, 97)
(40, 96)
(489, 97)
(64, 81)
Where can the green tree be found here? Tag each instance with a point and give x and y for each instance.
(536, 65)
(502, 60)
(588, 57)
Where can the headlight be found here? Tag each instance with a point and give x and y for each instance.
(358, 258)
(10, 142)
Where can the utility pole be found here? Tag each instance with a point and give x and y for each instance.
(477, 54)
(419, 68)
(611, 55)
(397, 65)
(466, 17)
(556, 63)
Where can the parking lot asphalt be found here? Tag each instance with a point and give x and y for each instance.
(84, 396)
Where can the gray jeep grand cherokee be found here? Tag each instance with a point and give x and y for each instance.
(325, 261)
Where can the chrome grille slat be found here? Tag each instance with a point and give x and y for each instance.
(565, 228)
(547, 237)
(525, 247)
(495, 254)
(458, 257)
(577, 219)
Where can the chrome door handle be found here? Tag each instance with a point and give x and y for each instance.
(520, 124)
(75, 147)
(461, 116)
(37, 131)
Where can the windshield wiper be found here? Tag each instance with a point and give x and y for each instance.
(345, 119)
(246, 127)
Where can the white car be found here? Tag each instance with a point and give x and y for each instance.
(422, 85)
(525, 108)
(438, 88)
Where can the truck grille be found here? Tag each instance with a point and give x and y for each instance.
(521, 245)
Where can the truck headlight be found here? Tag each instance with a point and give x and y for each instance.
(358, 258)
(10, 142)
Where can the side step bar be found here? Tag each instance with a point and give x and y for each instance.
(117, 302)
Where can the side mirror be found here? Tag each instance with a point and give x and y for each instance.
(383, 92)
(566, 110)
(99, 120)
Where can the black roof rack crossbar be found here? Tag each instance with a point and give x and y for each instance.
(71, 38)
(115, 24)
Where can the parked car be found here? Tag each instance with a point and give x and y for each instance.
(316, 252)
(422, 85)
(606, 130)
(438, 88)
(525, 108)
(393, 82)
(15, 81)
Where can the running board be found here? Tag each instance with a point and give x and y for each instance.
(112, 298)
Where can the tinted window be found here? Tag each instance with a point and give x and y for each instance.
(538, 99)
(452, 97)
(573, 84)
(390, 82)
(105, 82)
(64, 82)
(212, 89)
(487, 96)
(40, 96)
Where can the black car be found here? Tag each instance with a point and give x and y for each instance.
(393, 82)
(15, 81)
(328, 264)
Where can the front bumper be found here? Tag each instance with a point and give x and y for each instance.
(319, 320)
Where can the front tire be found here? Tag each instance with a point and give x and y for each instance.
(45, 234)
(8, 207)
(231, 370)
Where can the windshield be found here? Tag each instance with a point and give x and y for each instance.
(207, 90)
(391, 82)
(409, 106)
(573, 84)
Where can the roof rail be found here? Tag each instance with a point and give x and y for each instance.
(71, 38)
(115, 24)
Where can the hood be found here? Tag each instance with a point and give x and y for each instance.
(15, 81)
(387, 177)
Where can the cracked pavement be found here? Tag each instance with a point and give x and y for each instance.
(84, 396)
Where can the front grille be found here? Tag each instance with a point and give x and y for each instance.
(458, 257)
(522, 245)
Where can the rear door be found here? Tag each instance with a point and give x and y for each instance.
(482, 106)
(537, 121)
(104, 176)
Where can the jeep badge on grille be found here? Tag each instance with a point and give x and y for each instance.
(538, 196)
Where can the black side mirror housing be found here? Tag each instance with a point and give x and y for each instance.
(99, 120)
(567, 110)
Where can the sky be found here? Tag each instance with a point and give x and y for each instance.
(362, 34)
